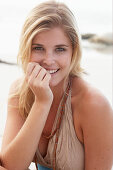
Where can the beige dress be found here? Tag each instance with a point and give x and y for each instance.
(70, 151)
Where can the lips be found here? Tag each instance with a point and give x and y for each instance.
(52, 71)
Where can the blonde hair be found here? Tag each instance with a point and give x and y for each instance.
(45, 16)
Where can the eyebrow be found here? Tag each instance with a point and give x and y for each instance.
(59, 45)
(37, 44)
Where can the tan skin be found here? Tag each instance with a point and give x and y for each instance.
(1, 168)
(92, 114)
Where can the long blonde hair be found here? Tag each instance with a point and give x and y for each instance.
(45, 16)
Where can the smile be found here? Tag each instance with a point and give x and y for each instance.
(52, 71)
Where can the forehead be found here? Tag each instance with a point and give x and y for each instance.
(55, 35)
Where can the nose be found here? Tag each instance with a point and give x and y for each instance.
(48, 59)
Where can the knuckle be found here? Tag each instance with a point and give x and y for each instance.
(44, 69)
(30, 64)
(49, 75)
(37, 66)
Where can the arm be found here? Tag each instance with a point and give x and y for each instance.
(21, 137)
(97, 127)
(96, 122)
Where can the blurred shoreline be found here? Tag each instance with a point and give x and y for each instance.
(102, 43)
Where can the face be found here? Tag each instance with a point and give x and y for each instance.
(52, 49)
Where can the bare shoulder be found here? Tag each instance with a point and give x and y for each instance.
(88, 98)
(15, 85)
(93, 120)
(13, 96)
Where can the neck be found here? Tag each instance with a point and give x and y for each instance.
(58, 90)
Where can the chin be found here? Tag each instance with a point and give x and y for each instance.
(53, 83)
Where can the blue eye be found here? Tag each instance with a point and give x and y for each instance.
(60, 49)
(38, 48)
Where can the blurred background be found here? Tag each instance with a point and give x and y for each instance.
(94, 20)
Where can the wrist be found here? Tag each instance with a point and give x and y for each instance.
(44, 102)
(45, 105)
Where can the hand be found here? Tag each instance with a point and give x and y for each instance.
(38, 80)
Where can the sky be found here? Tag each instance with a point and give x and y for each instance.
(93, 16)
(87, 12)
(87, 6)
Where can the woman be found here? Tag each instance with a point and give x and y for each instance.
(55, 118)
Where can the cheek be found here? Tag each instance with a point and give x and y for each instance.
(35, 58)
(66, 61)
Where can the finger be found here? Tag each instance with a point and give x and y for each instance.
(30, 68)
(34, 74)
(47, 79)
(40, 76)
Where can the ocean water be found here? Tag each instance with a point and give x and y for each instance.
(92, 17)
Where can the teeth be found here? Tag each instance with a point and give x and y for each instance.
(52, 71)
